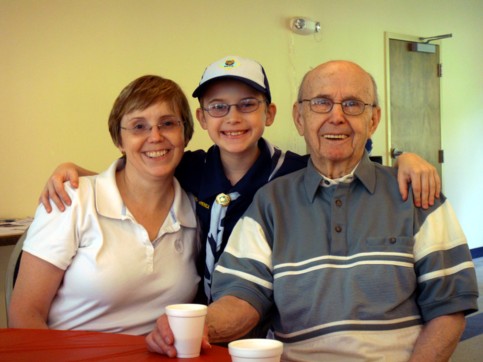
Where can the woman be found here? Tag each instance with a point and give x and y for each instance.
(127, 246)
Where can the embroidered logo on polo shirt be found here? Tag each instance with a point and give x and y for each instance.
(179, 246)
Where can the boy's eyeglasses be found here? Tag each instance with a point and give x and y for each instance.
(247, 105)
(351, 107)
(144, 128)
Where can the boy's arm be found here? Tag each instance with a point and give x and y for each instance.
(423, 177)
(54, 188)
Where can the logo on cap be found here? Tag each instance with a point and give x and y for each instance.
(229, 64)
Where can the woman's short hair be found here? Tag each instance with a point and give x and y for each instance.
(142, 93)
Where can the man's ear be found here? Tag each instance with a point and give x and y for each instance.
(297, 118)
(271, 112)
(200, 116)
(375, 119)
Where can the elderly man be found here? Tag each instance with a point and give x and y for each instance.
(352, 272)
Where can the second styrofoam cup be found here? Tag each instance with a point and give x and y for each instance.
(187, 322)
(255, 350)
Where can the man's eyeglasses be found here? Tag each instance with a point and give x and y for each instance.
(350, 107)
(247, 105)
(144, 128)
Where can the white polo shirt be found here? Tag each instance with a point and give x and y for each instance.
(116, 280)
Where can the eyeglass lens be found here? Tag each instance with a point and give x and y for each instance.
(143, 127)
(350, 107)
(222, 109)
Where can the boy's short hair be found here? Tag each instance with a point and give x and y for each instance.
(143, 92)
(244, 70)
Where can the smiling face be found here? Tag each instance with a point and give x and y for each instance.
(335, 140)
(154, 155)
(236, 133)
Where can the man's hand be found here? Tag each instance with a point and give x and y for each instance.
(161, 339)
(54, 188)
(424, 178)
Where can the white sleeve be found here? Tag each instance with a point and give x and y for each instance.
(53, 237)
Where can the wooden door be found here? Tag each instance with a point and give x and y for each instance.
(414, 99)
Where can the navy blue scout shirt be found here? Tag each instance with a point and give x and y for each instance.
(201, 173)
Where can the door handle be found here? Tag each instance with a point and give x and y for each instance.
(395, 152)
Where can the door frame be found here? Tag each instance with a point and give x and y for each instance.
(387, 84)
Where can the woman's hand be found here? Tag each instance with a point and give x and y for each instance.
(161, 339)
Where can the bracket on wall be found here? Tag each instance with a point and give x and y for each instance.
(425, 47)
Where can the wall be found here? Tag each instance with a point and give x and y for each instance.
(64, 62)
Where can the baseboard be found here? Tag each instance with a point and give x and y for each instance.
(477, 252)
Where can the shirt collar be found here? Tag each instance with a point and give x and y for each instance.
(365, 172)
(327, 182)
(110, 204)
(215, 181)
(108, 199)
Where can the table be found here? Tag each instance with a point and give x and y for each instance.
(54, 345)
(6, 240)
(12, 229)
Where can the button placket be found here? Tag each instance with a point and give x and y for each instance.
(339, 222)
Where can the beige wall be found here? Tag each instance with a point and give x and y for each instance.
(63, 62)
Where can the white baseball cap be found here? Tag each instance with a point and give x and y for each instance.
(245, 70)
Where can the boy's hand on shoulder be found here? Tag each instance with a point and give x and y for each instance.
(423, 176)
(54, 188)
